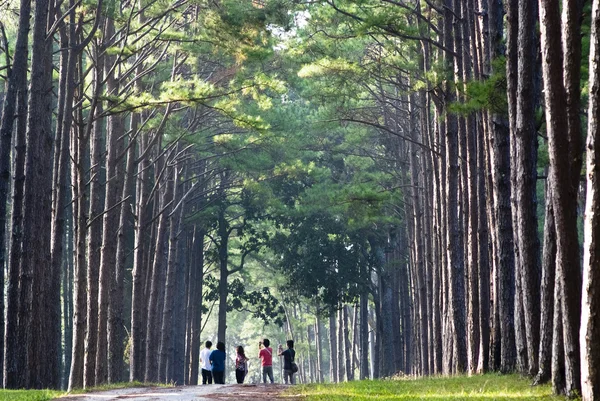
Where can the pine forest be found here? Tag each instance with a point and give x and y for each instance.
(402, 187)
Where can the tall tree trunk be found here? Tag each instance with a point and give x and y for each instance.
(590, 327)
(319, 347)
(333, 349)
(502, 191)
(419, 264)
(14, 105)
(111, 218)
(116, 330)
(36, 209)
(347, 345)
(525, 138)
(559, 98)
(364, 332)
(166, 350)
(558, 349)
(341, 372)
(137, 356)
(197, 297)
(453, 225)
(158, 278)
(94, 239)
(547, 292)
(61, 156)
(67, 288)
(80, 217)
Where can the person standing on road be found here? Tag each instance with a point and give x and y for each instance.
(288, 362)
(266, 359)
(241, 365)
(217, 361)
(205, 359)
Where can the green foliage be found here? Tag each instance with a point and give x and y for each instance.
(489, 94)
(483, 388)
(260, 304)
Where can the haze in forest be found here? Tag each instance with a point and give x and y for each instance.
(401, 187)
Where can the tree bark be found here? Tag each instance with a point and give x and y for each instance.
(116, 324)
(525, 192)
(564, 173)
(333, 351)
(158, 278)
(14, 106)
(547, 292)
(341, 373)
(94, 239)
(590, 327)
(197, 297)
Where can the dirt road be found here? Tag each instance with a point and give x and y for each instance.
(233, 392)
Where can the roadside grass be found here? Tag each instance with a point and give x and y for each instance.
(117, 386)
(490, 387)
(44, 395)
(29, 395)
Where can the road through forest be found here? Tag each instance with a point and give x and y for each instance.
(234, 392)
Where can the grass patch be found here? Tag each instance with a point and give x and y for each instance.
(29, 395)
(117, 386)
(489, 387)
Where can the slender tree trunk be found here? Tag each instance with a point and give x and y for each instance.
(558, 348)
(166, 364)
(347, 345)
(364, 332)
(419, 265)
(14, 106)
(195, 331)
(76, 377)
(341, 372)
(502, 192)
(547, 292)
(137, 356)
(590, 328)
(61, 155)
(158, 278)
(111, 218)
(116, 330)
(36, 209)
(525, 138)
(319, 347)
(355, 341)
(94, 239)
(564, 173)
(333, 349)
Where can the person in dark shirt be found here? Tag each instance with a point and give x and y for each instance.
(217, 361)
(288, 362)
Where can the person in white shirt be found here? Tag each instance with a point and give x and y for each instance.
(205, 360)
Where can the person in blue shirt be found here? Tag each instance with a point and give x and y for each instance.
(217, 361)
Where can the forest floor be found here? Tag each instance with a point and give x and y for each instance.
(233, 392)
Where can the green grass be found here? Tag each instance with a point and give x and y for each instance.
(116, 386)
(28, 395)
(482, 388)
(43, 395)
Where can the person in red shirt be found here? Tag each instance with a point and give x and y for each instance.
(266, 359)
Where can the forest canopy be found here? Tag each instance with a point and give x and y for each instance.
(398, 186)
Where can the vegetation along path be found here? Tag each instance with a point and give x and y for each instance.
(185, 393)
(486, 387)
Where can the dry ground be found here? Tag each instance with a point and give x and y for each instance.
(228, 392)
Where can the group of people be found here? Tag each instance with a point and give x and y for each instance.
(213, 362)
